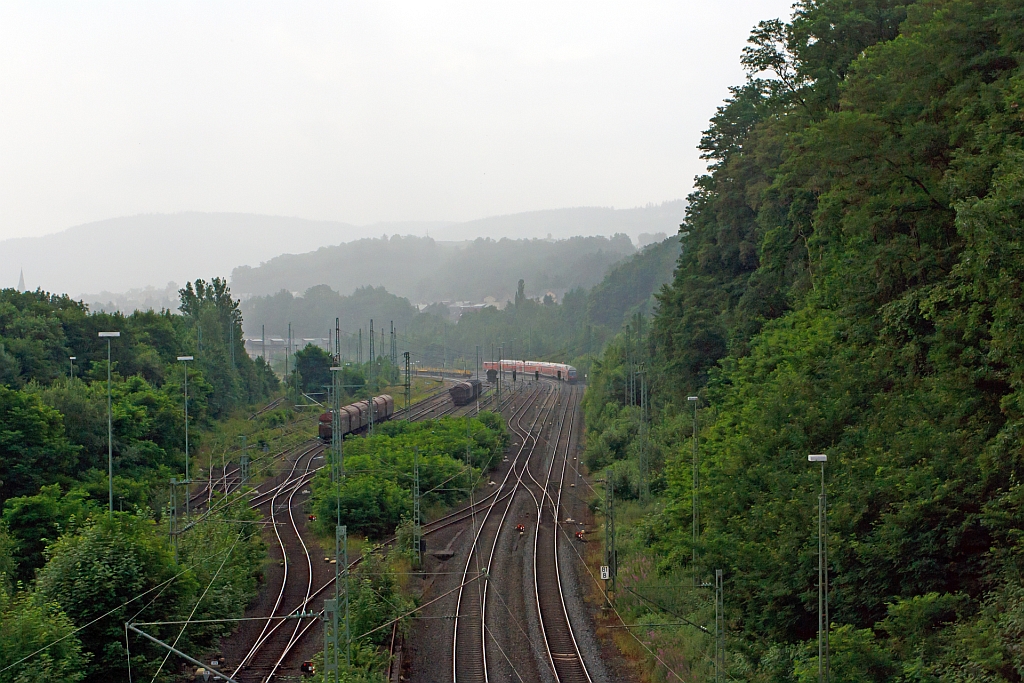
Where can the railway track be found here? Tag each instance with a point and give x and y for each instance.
(229, 480)
(562, 649)
(270, 406)
(421, 407)
(274, 645)
(266, 655)
(481, 651)
(469, 661)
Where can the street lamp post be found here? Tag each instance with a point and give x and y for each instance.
(188, 479)
(695, 503)
(823, 622)
(73, 359)
(110, 426)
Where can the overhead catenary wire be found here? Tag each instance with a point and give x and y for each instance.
(109, 612)
(619, 616)
(196, 606)
(159, 588)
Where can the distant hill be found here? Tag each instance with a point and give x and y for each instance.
(554, 223)
(134, 252)
(557, 330)
(424, 270)
(632, 284)
(106, 259)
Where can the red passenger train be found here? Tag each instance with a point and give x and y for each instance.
(536, 368)
(356, 416)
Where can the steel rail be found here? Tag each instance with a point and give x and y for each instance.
(474, 548)
(431, 527)
(284, 556)
(569, 665)
(270, 406)
(494, 546)
(539, 500)
(309, 582)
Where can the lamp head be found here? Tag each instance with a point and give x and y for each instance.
(184, 358)
(821, 457)
(110, 334)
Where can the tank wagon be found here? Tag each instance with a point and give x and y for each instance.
(464, 393)
(534, 368)
(355, 417)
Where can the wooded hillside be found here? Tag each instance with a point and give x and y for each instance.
(850, 284)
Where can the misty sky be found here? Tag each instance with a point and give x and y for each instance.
(360, 112)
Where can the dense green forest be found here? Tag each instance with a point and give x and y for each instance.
(570, 330)
(850, 284)
(70, 570)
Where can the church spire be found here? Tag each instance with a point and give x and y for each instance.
(21, 281)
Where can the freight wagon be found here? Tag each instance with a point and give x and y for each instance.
(355, 417)
(464, 393)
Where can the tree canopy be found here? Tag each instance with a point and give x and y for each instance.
(849, 284)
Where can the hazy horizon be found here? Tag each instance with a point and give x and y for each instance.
(150, 250)
(383, 113)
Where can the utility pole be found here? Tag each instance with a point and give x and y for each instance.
(337, 454)
(332, 643)
(172, 517)
(610, 554)
(719, 626)
(694, 498)
(359, 349)
(500, 376)
(626, 398)
(287, 350)
(263, 342)
(332, 637)
(343, 532)
(417, 533)
(243, 461)
(110, 423)
(373, 361)
(408, 383)
(824, 658)
(644, 438)
(188, 479)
